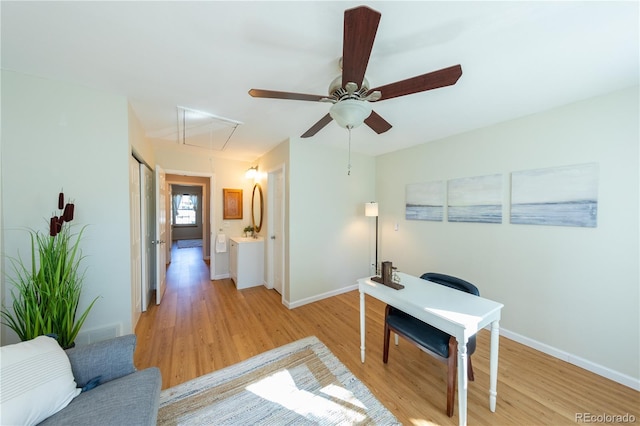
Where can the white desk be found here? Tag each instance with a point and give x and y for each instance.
(455, 312)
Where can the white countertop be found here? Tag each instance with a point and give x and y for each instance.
(246, 239)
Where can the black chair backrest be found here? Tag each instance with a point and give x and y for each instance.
(457, 284)
(453, 282)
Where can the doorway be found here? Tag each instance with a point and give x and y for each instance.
(186, 215)
(142, 235)
(205, 184)
(276, 242)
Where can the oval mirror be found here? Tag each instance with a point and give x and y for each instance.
(257, 207)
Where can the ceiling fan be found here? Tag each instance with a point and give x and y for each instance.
(350, 93)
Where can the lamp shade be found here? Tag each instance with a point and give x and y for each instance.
(371, 209)
(251, 172)
(350, 113)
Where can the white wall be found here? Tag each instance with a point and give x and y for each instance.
(575, 290)
(140, 144)
(329, 236)
(57, 136)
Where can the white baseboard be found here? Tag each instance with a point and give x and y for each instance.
(315, 298)
(598, 369)
(221, 276)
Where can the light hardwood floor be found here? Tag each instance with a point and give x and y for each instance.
(204, 325)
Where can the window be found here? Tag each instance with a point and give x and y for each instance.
(184, 209)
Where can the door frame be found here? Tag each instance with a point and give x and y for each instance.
(160, 185)
(136, 239)
(270, 227)
(212, 221)
(147, 231)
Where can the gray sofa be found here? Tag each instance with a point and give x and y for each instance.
(116, 393)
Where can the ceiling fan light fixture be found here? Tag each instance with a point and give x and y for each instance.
(350, 113)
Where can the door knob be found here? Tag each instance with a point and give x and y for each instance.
(273, 237)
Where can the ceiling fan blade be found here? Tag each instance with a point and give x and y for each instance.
(317, 127)
(433, 80)
(377, 123)
(259, 93)
(360, 27)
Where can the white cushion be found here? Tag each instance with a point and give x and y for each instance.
(37, 381)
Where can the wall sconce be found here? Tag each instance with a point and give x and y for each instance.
(371, 210)
(251, 172)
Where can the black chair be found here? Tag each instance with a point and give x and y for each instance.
(431, 340)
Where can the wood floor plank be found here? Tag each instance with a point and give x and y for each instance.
(203, 326)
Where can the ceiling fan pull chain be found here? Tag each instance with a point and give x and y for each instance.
(349, 165)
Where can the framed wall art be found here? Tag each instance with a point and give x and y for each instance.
(425, 201)
(563, 196)
(475, 199)
(232, 203)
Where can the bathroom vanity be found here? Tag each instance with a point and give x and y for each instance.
(246, 261)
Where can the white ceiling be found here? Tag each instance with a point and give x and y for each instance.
(518, 58)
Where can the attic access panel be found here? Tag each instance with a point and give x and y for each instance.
(204, 130)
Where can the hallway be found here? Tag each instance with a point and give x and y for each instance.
(201, 325)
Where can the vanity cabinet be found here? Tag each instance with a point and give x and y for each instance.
(246, 261)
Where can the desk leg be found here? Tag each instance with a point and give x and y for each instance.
(362, 320)
(462, 382)
(493, 365)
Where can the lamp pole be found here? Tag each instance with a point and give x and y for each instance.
(371, 209)
(376, 265)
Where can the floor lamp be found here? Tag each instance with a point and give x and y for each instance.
(370, 210)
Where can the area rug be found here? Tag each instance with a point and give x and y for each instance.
(189, 243)
(301, 383)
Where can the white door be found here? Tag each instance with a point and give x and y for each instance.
(212, 235)
(161, 234)
(276, 187)
(148, 230)
(136, 258)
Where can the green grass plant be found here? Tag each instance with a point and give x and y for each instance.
(46, 293)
